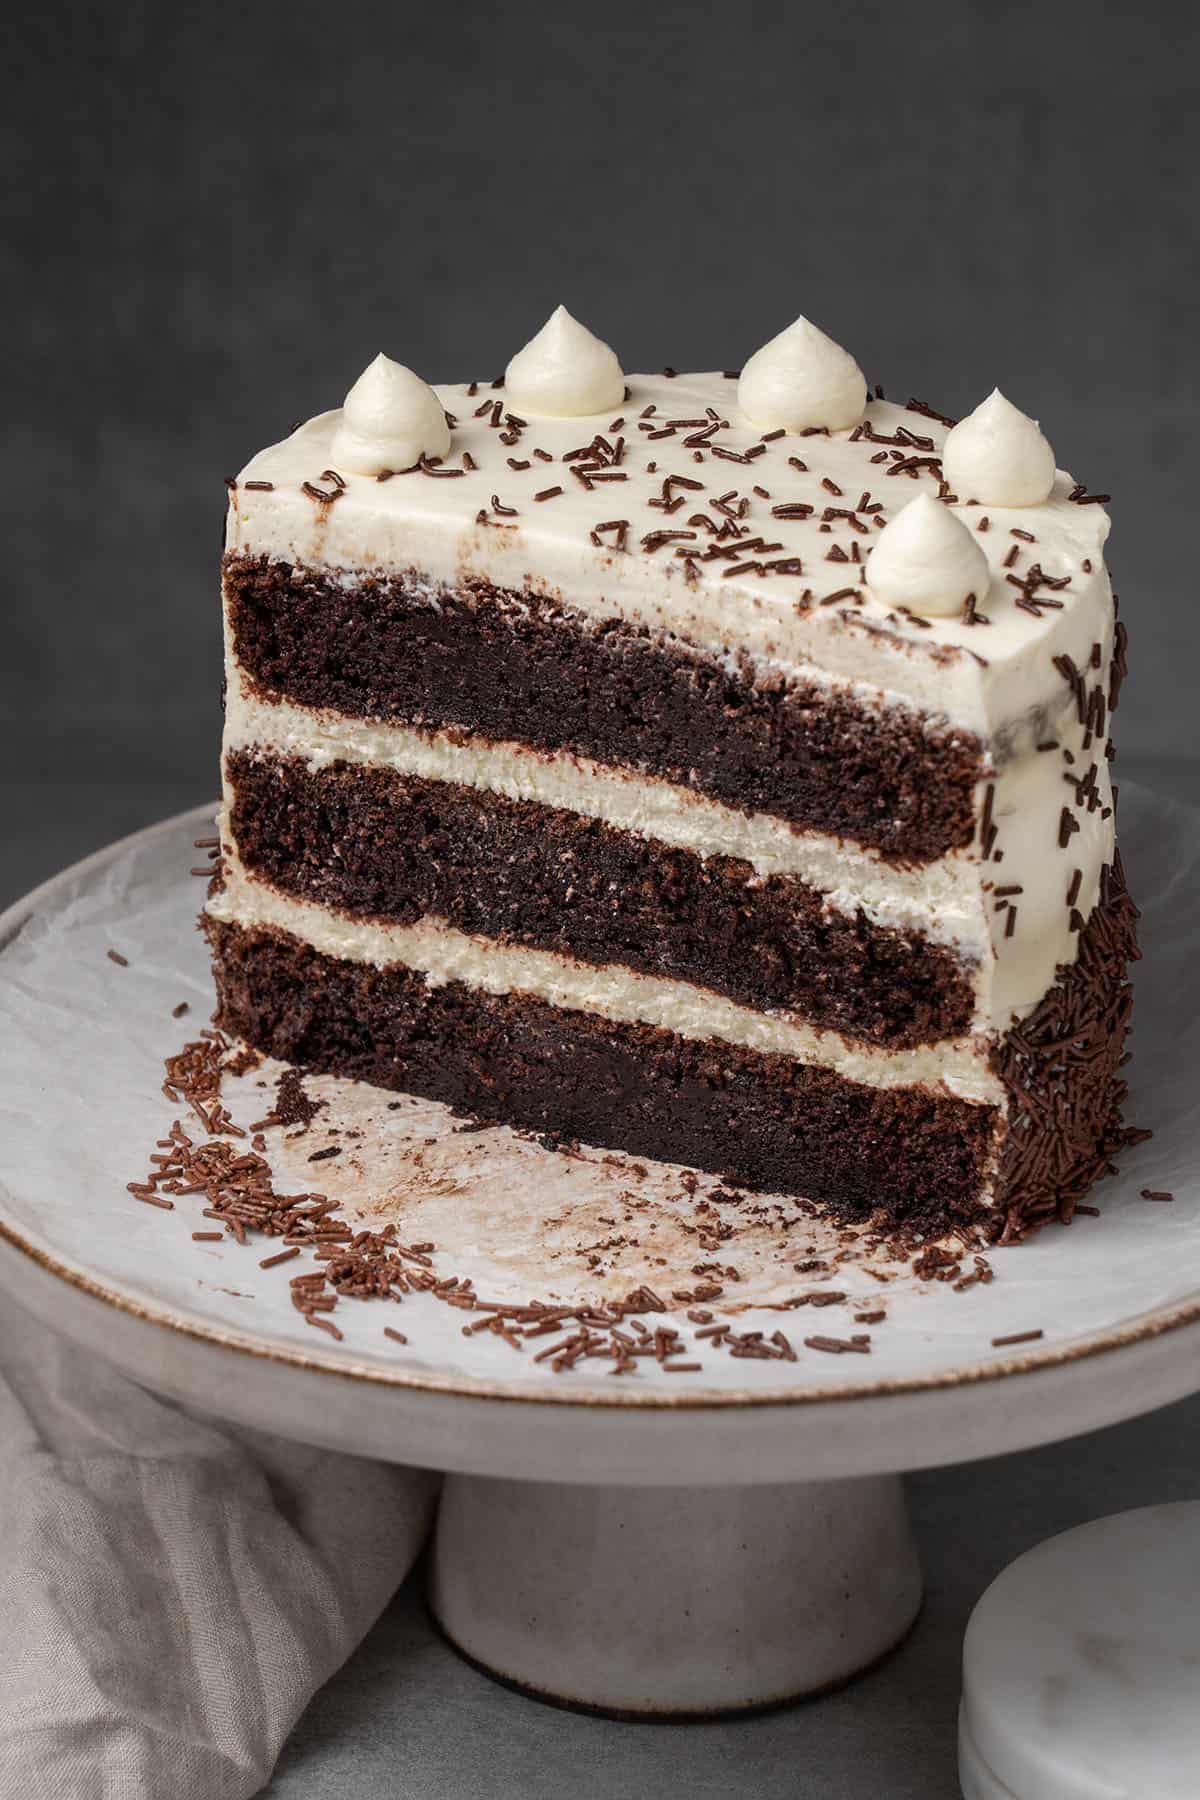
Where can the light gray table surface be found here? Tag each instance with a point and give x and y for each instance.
(406, 1717)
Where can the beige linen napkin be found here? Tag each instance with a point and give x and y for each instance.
(172, 1589)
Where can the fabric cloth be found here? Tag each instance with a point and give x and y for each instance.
(172, 1590)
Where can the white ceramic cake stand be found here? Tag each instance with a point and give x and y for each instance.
(651, 1544)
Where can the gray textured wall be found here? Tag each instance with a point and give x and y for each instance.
(223, 212)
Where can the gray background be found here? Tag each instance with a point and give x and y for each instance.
(221, 213)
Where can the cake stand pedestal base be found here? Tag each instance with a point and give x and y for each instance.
(657, 1602)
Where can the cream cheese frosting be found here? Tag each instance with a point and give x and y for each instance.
(927, 561)
(565, 372)
(998, 455)
(801, 380)
(390, 420)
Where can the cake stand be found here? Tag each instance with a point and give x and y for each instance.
(674, 1541)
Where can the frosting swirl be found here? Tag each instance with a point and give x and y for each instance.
(997, 455)
(390, 420)
(802, 380)
(565, 372)
(927, 561)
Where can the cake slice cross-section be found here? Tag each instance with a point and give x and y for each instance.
(703, 774)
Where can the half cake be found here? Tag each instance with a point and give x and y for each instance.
(712, 768)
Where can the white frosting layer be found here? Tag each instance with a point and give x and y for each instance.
(1029, 796)
(800, 380)
(565, 372)
(443, 954)
(998, 456)
(390, 420)
(927, 560)
(429, 522)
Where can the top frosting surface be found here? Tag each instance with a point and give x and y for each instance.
(679, 512)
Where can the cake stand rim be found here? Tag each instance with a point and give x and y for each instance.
(21, 1246)
(1141, 1330)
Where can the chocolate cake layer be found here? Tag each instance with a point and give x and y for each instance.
(396, 847)
(522, 667)
(905, 1155)
(1061, 1066)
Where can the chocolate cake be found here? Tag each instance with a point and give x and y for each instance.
(713, 767)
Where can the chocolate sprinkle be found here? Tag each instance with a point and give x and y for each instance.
(860, 1343)
(1060, 1066)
